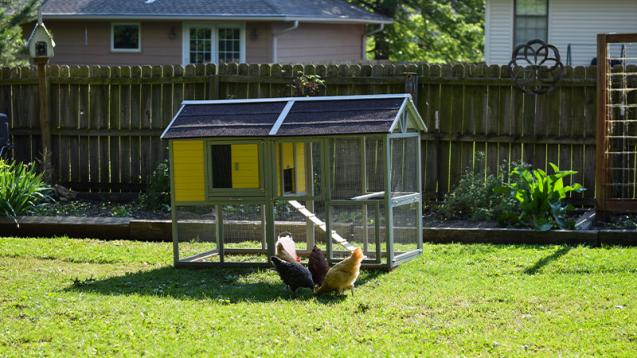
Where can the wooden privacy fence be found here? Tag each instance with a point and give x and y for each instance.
(106, 121)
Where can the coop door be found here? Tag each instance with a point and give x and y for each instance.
(292, 168)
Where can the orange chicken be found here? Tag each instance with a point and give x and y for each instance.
(342, 275)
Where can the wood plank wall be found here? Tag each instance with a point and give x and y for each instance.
(107, 120)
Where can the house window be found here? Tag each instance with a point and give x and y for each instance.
(214, 44)
(531, 21)
(229, 45)
(125, 38)
(200, 45)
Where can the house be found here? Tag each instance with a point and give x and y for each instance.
(158, 32)
(570, 25)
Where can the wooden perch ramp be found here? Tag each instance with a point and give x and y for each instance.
(310, 215)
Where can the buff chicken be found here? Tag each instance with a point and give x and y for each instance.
(342, 275)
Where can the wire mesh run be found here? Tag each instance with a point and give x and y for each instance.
(404, 168)
(244, 233)
(405, 228)
(196, 233)
(357, 223)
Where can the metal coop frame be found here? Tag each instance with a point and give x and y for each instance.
(336, 172)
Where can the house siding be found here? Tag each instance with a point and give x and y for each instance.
(259, 42)
(320, 43)
(498, 31)
(90, 43)
(575, 22)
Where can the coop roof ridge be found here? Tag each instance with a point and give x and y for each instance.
(296, 99)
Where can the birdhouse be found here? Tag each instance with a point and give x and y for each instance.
(336, 172)
(40, 42)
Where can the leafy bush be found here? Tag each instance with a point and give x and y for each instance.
(157, 195)
(21, 188)
(307, 85)
(541, 196)
(477, 198)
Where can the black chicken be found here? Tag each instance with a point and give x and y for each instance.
(293, 274)
(318, 265)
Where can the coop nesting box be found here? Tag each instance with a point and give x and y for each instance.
(336, 172)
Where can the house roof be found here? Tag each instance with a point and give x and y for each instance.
(272, 10)
(295, 116)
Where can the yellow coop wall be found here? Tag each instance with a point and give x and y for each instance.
(245, 166)
(189, 172)
(300, 168)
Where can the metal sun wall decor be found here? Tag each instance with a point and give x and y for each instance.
(536, 67)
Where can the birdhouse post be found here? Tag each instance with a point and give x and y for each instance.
(40, 45)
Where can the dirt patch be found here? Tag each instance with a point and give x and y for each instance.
(94, 208)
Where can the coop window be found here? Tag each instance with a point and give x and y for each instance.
(221, 166)
(234, 166)
(531, 21)
(126, 38)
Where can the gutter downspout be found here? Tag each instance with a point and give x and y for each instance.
(275, 40)
(364, 42)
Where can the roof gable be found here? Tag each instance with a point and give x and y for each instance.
(299, 116)
(275, 10)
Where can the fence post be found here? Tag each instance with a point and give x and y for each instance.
(45, 127)
(600, 117)
(411, 85)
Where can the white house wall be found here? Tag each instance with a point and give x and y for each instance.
(577, 22)
(574, 22)
(499, 31)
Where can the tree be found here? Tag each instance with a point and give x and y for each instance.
(428, 30)
(12, 44)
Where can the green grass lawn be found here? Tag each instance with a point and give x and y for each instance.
(76, 297)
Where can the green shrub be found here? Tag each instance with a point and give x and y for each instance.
(305, 85)
(541, 196)
(476, 198)
(157, 194)
(21, 188)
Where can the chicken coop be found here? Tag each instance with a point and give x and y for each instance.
(336, 172)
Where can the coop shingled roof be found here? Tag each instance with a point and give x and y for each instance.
(283, 117)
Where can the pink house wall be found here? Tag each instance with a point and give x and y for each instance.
(321, 43)
(90, 43)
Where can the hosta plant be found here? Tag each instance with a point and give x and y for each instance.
(541, 196)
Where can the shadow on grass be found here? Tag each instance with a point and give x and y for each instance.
(541, 263)
(226, 286)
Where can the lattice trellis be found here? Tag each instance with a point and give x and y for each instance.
(617, 122)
